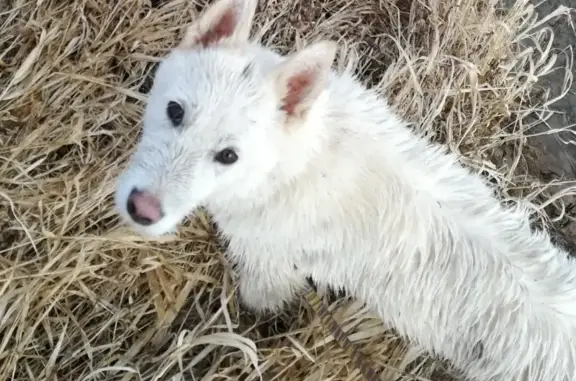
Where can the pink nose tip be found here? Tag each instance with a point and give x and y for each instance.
(143, 207)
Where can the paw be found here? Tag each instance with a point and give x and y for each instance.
(260, 300)
(259, 303)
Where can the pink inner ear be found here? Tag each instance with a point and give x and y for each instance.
(296, 89)
(222, 28)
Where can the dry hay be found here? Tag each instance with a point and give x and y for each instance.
(84, 299)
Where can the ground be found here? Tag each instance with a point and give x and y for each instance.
(560, 158)
(82, 298)
(557, 152)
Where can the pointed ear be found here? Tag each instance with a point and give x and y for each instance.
(300, 79)
(224, 19)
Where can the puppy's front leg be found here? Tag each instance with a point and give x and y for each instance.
(264, 289)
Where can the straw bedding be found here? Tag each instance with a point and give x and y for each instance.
(82, 298)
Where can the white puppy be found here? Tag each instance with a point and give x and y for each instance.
(308, 173)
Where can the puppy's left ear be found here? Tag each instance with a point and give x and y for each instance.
(299, 80)
(223, 20)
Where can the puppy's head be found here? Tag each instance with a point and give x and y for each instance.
(218, 121)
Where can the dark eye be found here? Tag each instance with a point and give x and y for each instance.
(226, 156)
(175, 113)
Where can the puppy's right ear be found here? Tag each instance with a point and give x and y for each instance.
(223, 20)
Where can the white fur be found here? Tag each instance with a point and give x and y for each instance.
(348, 194)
